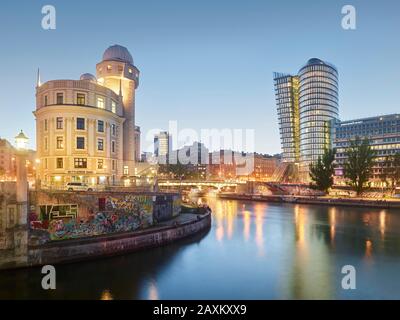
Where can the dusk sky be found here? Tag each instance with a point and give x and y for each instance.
(206, 64)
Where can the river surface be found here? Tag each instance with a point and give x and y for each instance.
(254, 250)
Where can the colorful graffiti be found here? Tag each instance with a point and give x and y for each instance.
(121, 214)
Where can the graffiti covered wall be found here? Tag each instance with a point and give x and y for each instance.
(73, 215)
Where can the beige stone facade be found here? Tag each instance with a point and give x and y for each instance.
(85, 129)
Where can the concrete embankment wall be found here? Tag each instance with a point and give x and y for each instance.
(382, 204)
(82, 249)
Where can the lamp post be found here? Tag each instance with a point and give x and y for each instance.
(21, 142)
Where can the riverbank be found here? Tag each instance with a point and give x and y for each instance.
(349, 202)
(74, 250)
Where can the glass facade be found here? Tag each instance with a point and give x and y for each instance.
(287, 102)
(318, 106)
(383, 133)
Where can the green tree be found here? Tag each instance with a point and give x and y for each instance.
(322, 171)
(391, 171)
(358, 165)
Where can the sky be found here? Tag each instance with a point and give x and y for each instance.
(205, 64)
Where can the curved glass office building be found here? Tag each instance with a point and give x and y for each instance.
(318, 105)
(287, 101)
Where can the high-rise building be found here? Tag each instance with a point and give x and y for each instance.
(287, 101)
(162, 144)
(85, 128)
(306, 103)
(383, 134)
(318, 105)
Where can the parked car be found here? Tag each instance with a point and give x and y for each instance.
(78, 186)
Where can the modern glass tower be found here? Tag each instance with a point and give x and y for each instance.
(318, 105)
(306, 103)
(287, 102)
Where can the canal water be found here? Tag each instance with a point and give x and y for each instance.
(254, 250)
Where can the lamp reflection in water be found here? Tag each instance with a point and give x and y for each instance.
(106, 295)
(382, 223)
(246, 224)
(260, 209)
(332, 223)
(153, 291)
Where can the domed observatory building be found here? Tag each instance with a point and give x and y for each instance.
(318, 105)
(85, 128)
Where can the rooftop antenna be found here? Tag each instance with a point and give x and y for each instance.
(38, 82)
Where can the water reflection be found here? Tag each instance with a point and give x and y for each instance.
(253, 251)
(106, 295)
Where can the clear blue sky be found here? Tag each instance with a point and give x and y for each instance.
(207, 64)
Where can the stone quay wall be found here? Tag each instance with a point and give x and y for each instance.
(102, 246)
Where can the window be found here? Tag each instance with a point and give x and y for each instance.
(100, 102)
(109, 67)
(45, 124)
(60, 143)
(113, 106)
(100, 126)
(80, 99)
(45, 143)
(113, 129)
(45, 163)
(130, 70)
(113, 164)
(45, 101)
(80, 163)
(80, 123)
(60, 98)
(100, 144)
(11, 216)
(60, 163)
(59, 122)
(100, 164)
(80, 142)
(112, 146)
(126, 170)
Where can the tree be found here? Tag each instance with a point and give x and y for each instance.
(391, 171)
(322, 171)
(358, 165)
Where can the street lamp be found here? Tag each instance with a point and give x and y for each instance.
(21, 142)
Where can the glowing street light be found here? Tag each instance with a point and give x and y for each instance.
(21, 141)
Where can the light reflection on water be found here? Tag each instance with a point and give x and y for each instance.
(253, 251)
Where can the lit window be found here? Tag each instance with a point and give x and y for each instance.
(60, 143)
(113, 107)
(109, 67)
(130, 70)
(100, 164)
(59, 122)
(100, 102)
(80, 163)
(60, 163)
(126, 170)
(80, 99)
(100, 144)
